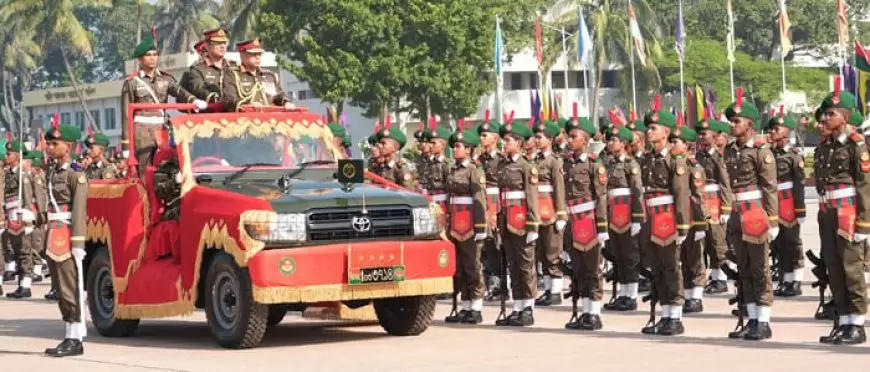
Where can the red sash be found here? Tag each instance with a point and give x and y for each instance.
(619, 209)
(663, 221)
(546, 210)
(713, 202)
(461, 222)
(753, 219)
(439, 196)
(787, 216)
(584, 232)
(841, 198)
(59, 246)
(13, 224)
(514, 202)
(492, 206)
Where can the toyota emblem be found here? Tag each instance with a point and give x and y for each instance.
(361, 224)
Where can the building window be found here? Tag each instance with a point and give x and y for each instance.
(306, 94)
(558, 79)
(96, 115)
(533, 80)
(578, 80)
(80, 120)
(65, 118)
(516, 81)
(109, 115)
(609, 79)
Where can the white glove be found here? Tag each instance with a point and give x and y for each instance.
(200, 104)
(700, 235)
(859, 238)
(801, 220)
(560, 225)
(79, 254)
(680, 239)
(479, 236)
(774, 231)
(531, 237)
(723, 218)
(28, 230)
(635, 229)
(2, 231)
(125, 153)
(603, 237)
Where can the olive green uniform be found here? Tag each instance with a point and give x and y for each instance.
(467, 221)
(717, 190)
(20, 212)
(694, 271)
(436, 177)
(396, 171)
(207, 79)
(788, 244)
(551, 178)
(101, 170)
(625, 194)
(37, 238)
(491, 163)
(244, 86)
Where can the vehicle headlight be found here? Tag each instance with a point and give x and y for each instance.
(428, 221)
(284, 228)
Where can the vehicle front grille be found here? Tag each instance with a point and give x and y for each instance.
(390, 221)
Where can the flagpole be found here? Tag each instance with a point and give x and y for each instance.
(730, 45)
(565, 58)
(681, 52)
(499, 89)
(633, 80)
(782, 65)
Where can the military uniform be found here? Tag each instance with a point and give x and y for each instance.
(754, 221)
(717, 198)
(845, 175)
(491, 163)
(67, 202)
(518, 224)
(640, 152)
(20, 212)
(37, 238)
(395, 170)
(206, 76)
(586, 194)
(692, 267)
(553, 215)
(438, 169)
(252, 85)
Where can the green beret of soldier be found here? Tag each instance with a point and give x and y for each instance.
(619, 131)
(337, 129)
(713, 125)
(549, 128)
(37, 158)
(818, 114)
(517, 130)
(467, 137)
(583, 124)
(15, 145)
(744, 109)
(3, 156)
(394, 134)
(346, 141)
(97, 139)
(147, 44)
(439, 132)
(839, 99)
(684, 133)
(637, 125)
(489, 127)
(856, 118)
(783, 120)
(63, 132)
(658, 116)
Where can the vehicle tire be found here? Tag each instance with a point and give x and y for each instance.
(235, 320)
(405, 316)
(101, 299)
(276, 315)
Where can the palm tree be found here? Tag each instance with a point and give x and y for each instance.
(19, 55)
(55, 28)
(243, 16)
(180, 23)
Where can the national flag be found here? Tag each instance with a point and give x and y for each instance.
(634, 29)
(862, 57)
(681, 32)
(784, 29)
(539, 42)
(849, 82)
(862, 96)
(499, 49)
(842, 23)
(584, 41)
(691, 108)
(730, 38)
(557, 107)
(545, 104)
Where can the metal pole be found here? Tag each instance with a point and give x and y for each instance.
(782, 65)
(565, 73)
(499, 89)
(731, 71)
(682, 88)
(633, 82)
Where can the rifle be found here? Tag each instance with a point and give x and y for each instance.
(612, 278)
(738, 299)
(502, 315)
(575, 296)
(820, 270)
(651, 296)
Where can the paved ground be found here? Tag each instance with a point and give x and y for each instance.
(27, 327)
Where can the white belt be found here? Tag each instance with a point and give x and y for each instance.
(583, 207)
(13, 204)
(512, 195)
(545, 188)
(749, 195)
(622, 191)
(149, 119)
(60, 216)
(492, 191)
(840, 194)
(712, 187)
(660, 200)
(439, 197)
(461, 200)
(785, 186)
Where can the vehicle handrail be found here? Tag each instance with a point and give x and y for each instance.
(253, 108)
(387, 183)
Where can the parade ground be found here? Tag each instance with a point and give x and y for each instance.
(184, 344)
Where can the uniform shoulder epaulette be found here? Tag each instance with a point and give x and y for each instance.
(400, 163)
(857, 138)
(132, 76)
(796, 150)
(760, 143)
(593, 156)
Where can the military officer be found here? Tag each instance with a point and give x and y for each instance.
(393, 168)
(249, 84)
(99, 168)
(465, 186)
(845, 164)
(552, 212)
(586, 194)
(424, 148)
(37, 237)
(338, 134)
(667, 197)
(20, 215)
(491, 162)
(518, 184)
(207, 74)
(717, 198)
(149, 85)
(199, 49)
(792, 212)
(439, 167)
(67, 202)
(755, 213)
(625, 214)
(7, 256)
(638, 150)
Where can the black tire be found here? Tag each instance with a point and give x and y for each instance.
(405, 316)
(235, 320)
(101, 299)
(276, 315)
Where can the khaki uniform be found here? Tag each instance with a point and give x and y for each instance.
(586, 194)
(396, 171)
(141, 88)
(436, 177)
(717, 199)
(752, 172)
(790, 190)
(101, 170)
(624, 197)
(844, 164)
(518, 184)
(247, 87)
(491, 164)
(694, 271)
(37, 237)
(20, 212)
(551, 207)
(207, 79)
(467, 218)
(421, 167)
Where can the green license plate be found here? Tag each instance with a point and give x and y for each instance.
(372, 275)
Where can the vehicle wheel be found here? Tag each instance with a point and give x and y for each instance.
(101, 299)
(276, 315)
(235, 320)
(405, 316)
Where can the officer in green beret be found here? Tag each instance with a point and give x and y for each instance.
(439, 164)
(7, 256)
(792, 211)
(669, 217)
(375, 162)
(424, 149)
(518, 224)
(754, 221)
(20, 212)
(846, 179)
(65, 243)
(490, 161)
(98, 167)
(466, 216)
(149, 85)
(586, 196)
(394, 168)
(33, 165)
(718, 199)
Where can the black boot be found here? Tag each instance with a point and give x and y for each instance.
(716, 287)
(654, 329)
(472, 317)
(67, 347)
(852, 335)
(761, 331)
(780, 290)
(51, 295)
(548, 299)
(455, 317)
(36, 278)
(673, 327)
(693, 306)
(626, 304)
(793, 289)
(524, 319)
(575, 324)
(591, 322)
(739, 333)
(827, 312)
(834, 335)
(507, 320)
(21, 292)
(8, 276)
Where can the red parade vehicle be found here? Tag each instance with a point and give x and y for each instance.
(263, 227)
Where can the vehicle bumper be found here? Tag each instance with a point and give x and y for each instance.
(320, 273)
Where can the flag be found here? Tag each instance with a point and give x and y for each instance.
(681, 32)
(842, 23)
(862, 57)
(862, 91)
(584, 42)
(499, 49)
(536, 113)
(849, 81)
(557, 107)
(730, 38)
(636, 35)
(545, 103)
(784, 29)
(691, 108)
(539, 42)
(700, 103)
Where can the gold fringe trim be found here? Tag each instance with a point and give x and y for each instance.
(183, 306)
(253, 246)
(216, 235)
(108, 191)
(341, 312)
(343, 292)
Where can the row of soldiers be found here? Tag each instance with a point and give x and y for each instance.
(659, 199)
